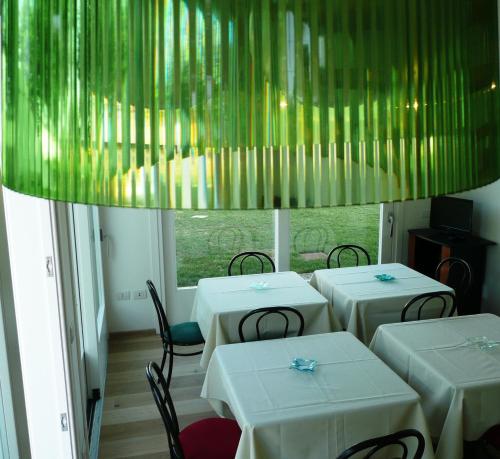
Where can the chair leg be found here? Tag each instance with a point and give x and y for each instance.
(170, 368)
(163, 360)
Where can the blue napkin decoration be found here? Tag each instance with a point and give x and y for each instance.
(301, 364)
(260, 285)
(481, 342)
(384, 277)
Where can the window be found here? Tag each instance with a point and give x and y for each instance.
(207, 240)
(314, 232)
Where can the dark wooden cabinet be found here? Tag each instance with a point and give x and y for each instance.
(427, 247)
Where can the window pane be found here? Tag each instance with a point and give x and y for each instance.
(314, 232)
(207, 240)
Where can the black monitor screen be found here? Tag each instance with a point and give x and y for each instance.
(451, 214)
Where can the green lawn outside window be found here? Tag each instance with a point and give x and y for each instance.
(206, 240)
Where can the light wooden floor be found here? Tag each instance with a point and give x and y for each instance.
(131, 426)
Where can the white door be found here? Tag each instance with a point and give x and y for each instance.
(388, 233)
(40, 318)
(90, 293)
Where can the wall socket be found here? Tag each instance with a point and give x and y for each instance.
(123, 296)
(140, 294)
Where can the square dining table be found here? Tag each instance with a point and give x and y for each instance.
(221, 302)
(459, 382)
(284, 413)
(361, 302)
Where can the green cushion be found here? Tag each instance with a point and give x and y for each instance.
(186, 333)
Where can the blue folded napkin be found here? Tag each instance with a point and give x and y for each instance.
(481, 342)
(260, 285)
(384, 277)
(301, 364)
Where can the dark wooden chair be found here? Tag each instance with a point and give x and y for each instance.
(377, 444)
(280, 311)
(211, 438)
(183, 334)
(457, 274)
(356, 250)
(420, 301)
(240, 258)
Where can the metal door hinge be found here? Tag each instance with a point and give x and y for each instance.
(49, 266)
(64, 422)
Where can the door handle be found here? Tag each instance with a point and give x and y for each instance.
(390, 221)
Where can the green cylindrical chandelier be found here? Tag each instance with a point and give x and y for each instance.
(247, 104)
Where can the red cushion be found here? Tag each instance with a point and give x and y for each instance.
(493, 436)
(212, 438)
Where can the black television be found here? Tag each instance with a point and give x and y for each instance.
(451, 214)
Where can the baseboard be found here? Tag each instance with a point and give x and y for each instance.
(132, 334)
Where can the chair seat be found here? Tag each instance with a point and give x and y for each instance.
(212, 438)
(492, 436)
(186, 333)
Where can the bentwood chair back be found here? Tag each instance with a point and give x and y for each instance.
(395, 440)
(165, 332)
(160, 312)
(353, 251)
(163, 400)
(238, 261)
(456, 273)
(282, 316)
(428, 300)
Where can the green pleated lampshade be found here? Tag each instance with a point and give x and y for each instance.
(243, 104)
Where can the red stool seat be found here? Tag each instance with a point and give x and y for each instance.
(212, 438)
(492, 436)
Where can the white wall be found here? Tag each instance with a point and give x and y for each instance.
(129, 260)
(486, 223)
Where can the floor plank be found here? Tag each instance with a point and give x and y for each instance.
(131, 425)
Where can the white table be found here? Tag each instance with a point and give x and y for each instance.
(283, 413)
(221, 302)
(459, 384)
(361, 302)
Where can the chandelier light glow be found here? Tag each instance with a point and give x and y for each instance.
(247, 104)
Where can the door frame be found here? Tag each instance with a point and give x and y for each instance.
(388, 233)
(69, 324)
(14, 437)
(85, 233)
(35, 262)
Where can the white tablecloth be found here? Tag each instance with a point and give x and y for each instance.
(283, 413)
(361, 302)
(459, 384)
(221, 302)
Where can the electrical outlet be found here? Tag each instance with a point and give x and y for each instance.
(140, 295)
(123, 296)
